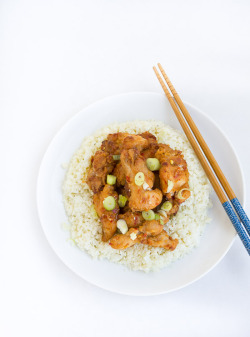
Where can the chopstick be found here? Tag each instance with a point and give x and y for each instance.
(212, 161)
(210, 174)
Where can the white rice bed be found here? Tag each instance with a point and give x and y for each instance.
(86, 230)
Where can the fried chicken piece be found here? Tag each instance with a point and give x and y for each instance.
(140, 199)
(152, 147)
(102, 164)
(149, 136)
(133, 219)
(162, 240)
(151, 227)
(120, 175)
(108, 218)
(114, 143)
(173, 168)
(135, 142)
(123, 241)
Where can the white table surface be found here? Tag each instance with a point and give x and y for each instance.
(56, 57)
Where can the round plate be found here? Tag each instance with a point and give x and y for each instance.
(219, 234)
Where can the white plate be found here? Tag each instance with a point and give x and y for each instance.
(219, 234)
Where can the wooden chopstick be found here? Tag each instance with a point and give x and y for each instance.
(211, 176)
(212, 161)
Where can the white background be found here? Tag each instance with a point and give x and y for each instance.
(56, 57)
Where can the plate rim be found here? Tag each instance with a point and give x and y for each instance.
(128, 293)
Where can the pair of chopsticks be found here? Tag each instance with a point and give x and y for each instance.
(205, 155)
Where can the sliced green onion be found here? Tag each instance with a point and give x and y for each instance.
(109, 203)
(111, 180)
(153, 164)
(157, 216)
(167, 206)
(146, 186)
(122, 226)
(139, 178)
(170, 186)
(149, 215)
(179, 194)
(162, 222)
(116, 157)
(122, 200)
(133, 236)
(163, 213)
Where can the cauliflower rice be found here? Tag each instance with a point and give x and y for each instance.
(86, 230)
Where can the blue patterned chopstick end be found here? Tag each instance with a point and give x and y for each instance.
(241, 213)
(237, 225)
